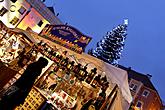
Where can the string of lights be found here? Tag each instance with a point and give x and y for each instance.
(110, 47)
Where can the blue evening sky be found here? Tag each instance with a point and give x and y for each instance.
(144, 50)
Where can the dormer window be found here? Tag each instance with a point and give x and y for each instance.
(133, 87)
(139, 105)
(145, 93)
(22, 10)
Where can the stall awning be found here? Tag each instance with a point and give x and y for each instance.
(115, 75)
(25, 33)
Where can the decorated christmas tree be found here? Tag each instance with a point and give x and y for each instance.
(110, 47)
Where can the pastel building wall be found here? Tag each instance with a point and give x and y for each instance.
(26, 14)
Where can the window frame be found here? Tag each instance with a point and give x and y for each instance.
(22, 9)
(148, 92)
(3, 11)
(141, 107)
(133, 87)
(13, 21)
(40, 23)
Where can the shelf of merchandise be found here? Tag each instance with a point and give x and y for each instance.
(33, 101)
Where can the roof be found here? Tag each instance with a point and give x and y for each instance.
(139, 77)
(44, 11)
(51, 9)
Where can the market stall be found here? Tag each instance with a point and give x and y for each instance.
(74, 81)
(11, 46)
(15, 47)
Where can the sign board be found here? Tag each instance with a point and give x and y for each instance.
(66, 36)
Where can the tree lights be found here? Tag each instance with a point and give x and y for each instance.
(110, 47)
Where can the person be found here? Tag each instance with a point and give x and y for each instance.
(16, 94)
(21, 58)
(87, 104)
(100, 100)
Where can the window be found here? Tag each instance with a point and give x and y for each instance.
(22, 10)
(40, 23)
(133, 87)
(3, 11)
(13, 1)
(14, 20)
(145, 93)
(139, 105)
(12, 8)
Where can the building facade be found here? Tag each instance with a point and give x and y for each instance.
(145, 96)
(26, 14)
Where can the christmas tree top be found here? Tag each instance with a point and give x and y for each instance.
(110, 47)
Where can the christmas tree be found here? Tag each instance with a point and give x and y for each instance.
(110, 47)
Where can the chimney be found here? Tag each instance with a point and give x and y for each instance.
(57, 14)
(129, 69)
(149, 76)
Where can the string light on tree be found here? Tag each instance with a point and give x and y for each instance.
(110, 47)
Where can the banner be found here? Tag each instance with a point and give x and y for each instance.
(66, 36)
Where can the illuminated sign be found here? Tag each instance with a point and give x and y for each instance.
(66, 36)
